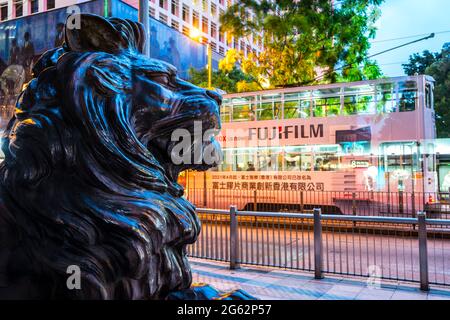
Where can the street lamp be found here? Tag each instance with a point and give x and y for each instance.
(196, 35)
(145, 20)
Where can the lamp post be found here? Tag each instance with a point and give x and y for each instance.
(196, 35)
(145, 20)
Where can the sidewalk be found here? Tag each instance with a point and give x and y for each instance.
(278, 284)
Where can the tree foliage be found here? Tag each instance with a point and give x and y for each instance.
(418, 63)
(303, 39)
(436, 65)
(229, 77)
(440, 71)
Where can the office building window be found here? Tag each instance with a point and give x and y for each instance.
(205, 5)
(152, 12)
(186, 31)
(174, 8)
(185, 13)
(18, 6)
(213, 46)
(162, 18)
(213, 9)
(205, 25)
(50, 4)
(3, 11)
(34, 6)
(195, 20)
(213, 30)
(175, 25)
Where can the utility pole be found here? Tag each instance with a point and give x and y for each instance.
(209, 49)
(144, 18)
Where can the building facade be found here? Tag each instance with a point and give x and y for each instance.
(199, 17)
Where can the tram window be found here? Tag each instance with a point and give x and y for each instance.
(243, 113)
(225, 113)
(269, 160)
(296, 109)
(399, 162)
(386, 100)
(269, 108)
(400, 156)
(431, 163)
(243, 161)
(428, 96)
(319, 108)
(295, 159)
(265, 111)
(333, 106)
(407, 95)
(326, 162)
(327, 106)
(228, 160)
(358, 104)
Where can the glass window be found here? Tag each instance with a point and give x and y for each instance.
(297, 109)
(359, 104)
(407, 95)
(225, 113)
(429, 96)
(327, 106)
(270, 159)
(3, 11)
(18, 8)
(243, 109)
(386, 99)
(228, 159)
(50, 4)
(243, 113)
(400, 157)
(243, 160)
(269, 107)
(326, 162)
(297, 159)
(34, 4)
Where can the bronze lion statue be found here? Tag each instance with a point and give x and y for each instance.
(88, 180)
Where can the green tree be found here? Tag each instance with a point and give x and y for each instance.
(305, 42)
(418, 63)
(229, 77)
(440, 71)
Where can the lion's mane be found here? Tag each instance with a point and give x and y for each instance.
(78, 186)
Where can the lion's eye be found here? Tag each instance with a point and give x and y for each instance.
(163, 79)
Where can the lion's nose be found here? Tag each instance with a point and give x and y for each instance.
(214, 95)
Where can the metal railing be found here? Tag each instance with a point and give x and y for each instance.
(366, 203)
(397, 248)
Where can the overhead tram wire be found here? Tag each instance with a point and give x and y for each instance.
(368, 57)
(408, 37)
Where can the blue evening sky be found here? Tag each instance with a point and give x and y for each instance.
(401, 18)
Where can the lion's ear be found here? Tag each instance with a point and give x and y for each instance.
(89, 32)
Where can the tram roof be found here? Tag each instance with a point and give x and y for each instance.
(326, 86)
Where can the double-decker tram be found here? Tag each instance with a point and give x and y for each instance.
(365, 145)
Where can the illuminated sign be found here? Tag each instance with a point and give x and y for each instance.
(360, 164)
(286, 132)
